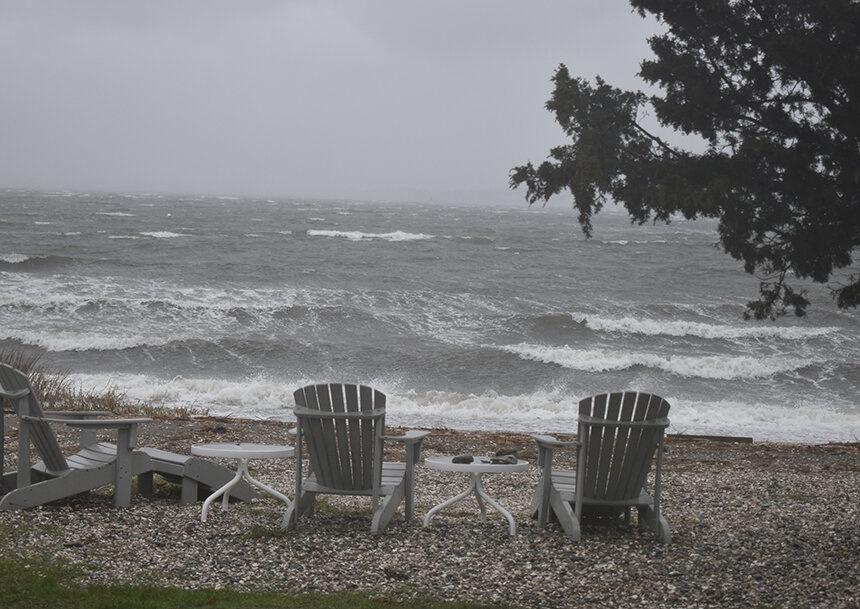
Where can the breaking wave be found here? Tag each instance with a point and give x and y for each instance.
(360, 236)
(544, 411)
(53, 340)
(655, 327)
(725, 367)
(164, 234)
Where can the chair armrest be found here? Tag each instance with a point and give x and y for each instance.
(77, 414)
(126, 429)
(409, 437)
(546, 445)
(553, 442)
(413, 440)
(92, 423)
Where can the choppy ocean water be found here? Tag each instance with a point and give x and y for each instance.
(468, 317)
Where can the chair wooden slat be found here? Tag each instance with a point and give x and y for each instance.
(356, 456)
(615, 486)
(593, 436)
(607, 445)
(368, 440)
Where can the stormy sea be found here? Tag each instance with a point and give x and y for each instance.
(468, 316)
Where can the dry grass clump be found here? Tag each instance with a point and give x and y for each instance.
(56, 391)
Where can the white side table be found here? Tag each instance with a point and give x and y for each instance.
(243, 451)
(475, 469)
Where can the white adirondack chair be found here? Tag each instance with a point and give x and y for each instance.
(95, 464)
(618, 436)
(343, 427)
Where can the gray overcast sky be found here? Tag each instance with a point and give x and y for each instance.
(318, 98)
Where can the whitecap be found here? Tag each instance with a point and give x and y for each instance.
(248, 398)
(80, 341)
(361, 236)
(556, 411)
(163, 234)
(725, 367)
(661, 327)
(14, 258)
(544, 411)
(800, 422)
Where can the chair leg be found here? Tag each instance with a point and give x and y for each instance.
(658, 525)
(540, 505)
(307, 503)
(144, 484)
(122, 484)
(290, 516)
(565, 515)
(303, 505)
(190, 489)
(386, 510)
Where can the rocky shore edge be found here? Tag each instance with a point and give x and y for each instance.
(755, 525)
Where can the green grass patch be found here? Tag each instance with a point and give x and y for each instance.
(451, 513)
(323, 506)
(10, 532)
(38, 584)
(259, 531)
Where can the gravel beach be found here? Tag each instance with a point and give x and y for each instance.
(755, 525)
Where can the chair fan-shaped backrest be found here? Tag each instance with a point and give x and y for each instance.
(343, 426)
(619, 433)
(41, 434)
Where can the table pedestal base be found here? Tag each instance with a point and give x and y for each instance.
(242, 473)
(476, 487)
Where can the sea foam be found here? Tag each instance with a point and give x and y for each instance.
(724, 367)
(656, 327)
(163, 234)
(360, 236)
(544, 411)
(80, 341)
(14, 258)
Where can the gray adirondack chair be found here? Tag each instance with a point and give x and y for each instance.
(618, 437)
(95, 464)
(343, 427)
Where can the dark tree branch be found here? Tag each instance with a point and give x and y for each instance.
(770, 87)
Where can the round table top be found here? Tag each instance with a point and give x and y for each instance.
(242, 450)
(481, 465)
